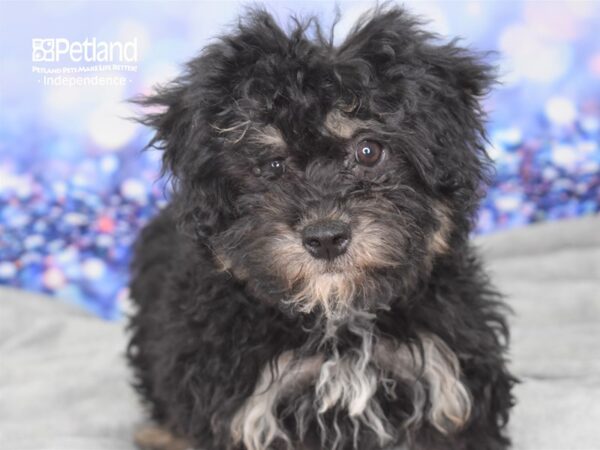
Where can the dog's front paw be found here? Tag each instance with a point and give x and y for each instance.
(154, 437)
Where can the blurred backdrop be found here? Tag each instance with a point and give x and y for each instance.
(75, 187)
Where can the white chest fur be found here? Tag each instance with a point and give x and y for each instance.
(348, 381)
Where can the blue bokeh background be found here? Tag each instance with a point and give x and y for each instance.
(75, 188)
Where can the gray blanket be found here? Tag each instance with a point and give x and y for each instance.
(64, 384)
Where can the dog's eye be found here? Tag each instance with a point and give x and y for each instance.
(277, 167)
(368, 153)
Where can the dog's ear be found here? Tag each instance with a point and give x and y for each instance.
(196, 114)
(191, 157)
(431, 88)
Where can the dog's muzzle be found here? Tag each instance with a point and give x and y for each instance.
(326, 239)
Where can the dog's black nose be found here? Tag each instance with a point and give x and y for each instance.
(326, 239)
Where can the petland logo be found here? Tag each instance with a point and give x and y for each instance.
(88, 51)
(61, 62)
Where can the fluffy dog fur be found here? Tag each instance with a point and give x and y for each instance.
(243, 340)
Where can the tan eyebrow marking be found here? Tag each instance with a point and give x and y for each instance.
(268, 136)
(343, 126)
(241, 128)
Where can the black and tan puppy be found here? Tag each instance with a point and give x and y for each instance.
(311, 284)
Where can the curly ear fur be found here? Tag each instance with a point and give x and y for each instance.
(423, 85)
(190, 158)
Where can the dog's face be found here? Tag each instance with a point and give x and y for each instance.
(326, 178)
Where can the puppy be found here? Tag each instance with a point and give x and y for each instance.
(311, 284)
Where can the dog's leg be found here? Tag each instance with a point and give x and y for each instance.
(154, 437)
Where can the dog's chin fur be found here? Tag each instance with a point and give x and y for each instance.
(243, 340)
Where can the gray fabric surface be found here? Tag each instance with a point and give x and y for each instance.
(64, 384)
